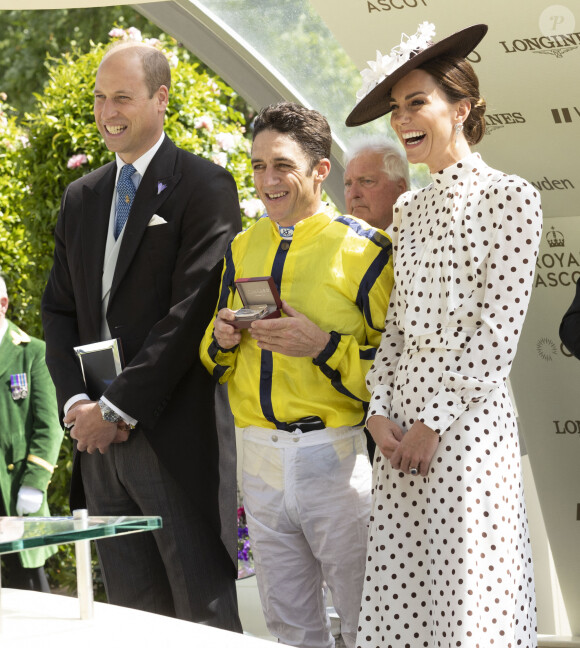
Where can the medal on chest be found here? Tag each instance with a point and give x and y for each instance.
(19, 386)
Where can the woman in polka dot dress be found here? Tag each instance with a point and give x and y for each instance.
(449, 560)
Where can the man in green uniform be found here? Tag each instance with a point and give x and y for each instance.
(30, 438)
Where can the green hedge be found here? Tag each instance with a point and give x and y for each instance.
(15, 253)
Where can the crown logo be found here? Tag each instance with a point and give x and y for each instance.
(555, 238)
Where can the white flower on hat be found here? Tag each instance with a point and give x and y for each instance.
(383, 66)
(378, 70)
(427, 30)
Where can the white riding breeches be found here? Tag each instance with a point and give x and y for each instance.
(308, 499)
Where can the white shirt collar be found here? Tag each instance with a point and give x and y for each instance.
(142, 163)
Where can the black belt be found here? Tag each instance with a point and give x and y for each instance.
(306, 424)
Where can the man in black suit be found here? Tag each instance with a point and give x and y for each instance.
(149, 445)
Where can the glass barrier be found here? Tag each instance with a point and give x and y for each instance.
(19, 533)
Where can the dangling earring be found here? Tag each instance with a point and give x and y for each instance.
(458, 129)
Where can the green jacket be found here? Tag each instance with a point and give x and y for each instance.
(30, 431)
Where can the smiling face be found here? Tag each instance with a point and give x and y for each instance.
(129, 120)
(368, 191)
(424, 121)
(288, 187)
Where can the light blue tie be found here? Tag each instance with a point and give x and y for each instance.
(125, 195)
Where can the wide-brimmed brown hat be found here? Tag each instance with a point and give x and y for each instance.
(375, 103)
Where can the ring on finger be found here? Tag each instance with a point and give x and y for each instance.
(414, 471)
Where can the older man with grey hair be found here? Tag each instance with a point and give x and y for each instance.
(376, 174)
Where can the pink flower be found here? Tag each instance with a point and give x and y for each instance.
(7, 144)
(117, 32)
(172, 59)
(214, 87)
(76, 161)
(205, 121)
(252, 207)
(220, 158)
(225, 141)
(134, 34)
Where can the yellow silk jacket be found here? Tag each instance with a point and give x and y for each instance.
(339, 273)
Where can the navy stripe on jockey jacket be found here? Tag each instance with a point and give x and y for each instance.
(228, 278)
(370, 233)
(366, 284)
(375, 269)
(329, 372)
(367, 354)
(266, 360)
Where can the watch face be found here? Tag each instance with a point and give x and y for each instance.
(108, 414)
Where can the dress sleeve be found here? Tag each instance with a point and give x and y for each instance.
(486, 359)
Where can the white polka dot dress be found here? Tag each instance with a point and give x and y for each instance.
(449, 560)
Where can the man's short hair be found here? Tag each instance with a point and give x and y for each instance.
(395, 163)
(3, 289)
(154, 62)
(308, 128)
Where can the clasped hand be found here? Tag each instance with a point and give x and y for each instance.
(294, 335)
(89, 429)
(415, 449)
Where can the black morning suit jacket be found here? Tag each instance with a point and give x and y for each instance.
(162, 297)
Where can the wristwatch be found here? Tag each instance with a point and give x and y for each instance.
(110, 415)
